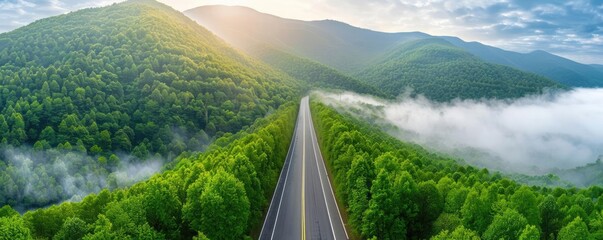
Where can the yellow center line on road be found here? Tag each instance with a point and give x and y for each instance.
(303, 198)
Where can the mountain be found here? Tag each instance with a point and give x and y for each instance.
(597, 66)
(351, 49)
(314, 73)
(382, 180)
(333, 43)
(441, 71)
(551, 66)
(130, 81)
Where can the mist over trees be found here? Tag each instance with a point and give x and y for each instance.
(96, 87)
(218, 194)
(397, 190)
(538, 134)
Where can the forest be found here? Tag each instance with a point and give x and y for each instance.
(91, 82)
(315, 74)
(92, 98)
(234, 177)
(397, 190)
(442, 72)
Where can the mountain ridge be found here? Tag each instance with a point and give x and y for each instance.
(353, 43)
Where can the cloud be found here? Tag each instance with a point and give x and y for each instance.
(568, 28)
(530, 135)
(35, 178)
(572, 29)
(17, 13)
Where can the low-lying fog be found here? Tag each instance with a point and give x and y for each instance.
(529, 135)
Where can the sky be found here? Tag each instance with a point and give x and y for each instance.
(572, 29)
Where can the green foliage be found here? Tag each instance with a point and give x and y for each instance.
(220, 193)
(530, 233)
(136, 77)
(508, 225)
(13, 228)
(460, 233)
(551, 215)
(7, 211)
(73, 229)
(402, 191)
(314, 73)
(525, 202)
(575, 230)
(442, 72)
(205, 194)
(476, 212)
(431, 205)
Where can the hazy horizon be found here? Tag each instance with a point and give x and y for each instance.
(568, 29)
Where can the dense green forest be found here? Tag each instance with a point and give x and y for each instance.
(315, 74)
(397, 190)
(218, 194)
(351, 49)
(336, 44)
(442, 72)
(562, 70)
(137, 79)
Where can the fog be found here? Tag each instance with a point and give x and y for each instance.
(33, 178)
(529, 135)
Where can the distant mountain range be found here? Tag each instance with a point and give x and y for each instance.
(353, 50)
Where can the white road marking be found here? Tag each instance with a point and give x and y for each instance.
(284, 185)
(315, 143)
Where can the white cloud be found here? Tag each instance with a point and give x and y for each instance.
(548, 131)
(503, 23)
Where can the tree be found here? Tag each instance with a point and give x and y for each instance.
(49, 135)
(8, 211)
(122, 141)
(221, 193)
(595, 225)
(573, 212)
(530, 233)
(163, 207)
(455, 199)
(391, 207)
(475, 212)
(460, 233)
(13, 228)
(507, 225)
(575, 230)
(244, 171)
(446, 221)
(524, 201)
(431, 205)
(105, 140)
(551, 217)
(146, 232)
(102, 229)
(4, 129)
(73, 229)
(359, 177)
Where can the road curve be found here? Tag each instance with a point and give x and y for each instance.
(303, 205)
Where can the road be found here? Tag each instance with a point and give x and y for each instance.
(303, 205)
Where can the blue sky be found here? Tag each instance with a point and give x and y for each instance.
(572, 29)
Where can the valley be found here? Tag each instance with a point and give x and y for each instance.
(146, 119)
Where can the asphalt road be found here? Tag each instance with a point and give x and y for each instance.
(303, 205)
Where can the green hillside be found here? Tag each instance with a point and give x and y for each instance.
(133, 78)
(398, 190)
(440, 71)
(562, 70)
(335, 44)
(218, 194)
(313, 73)
(350, 49)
